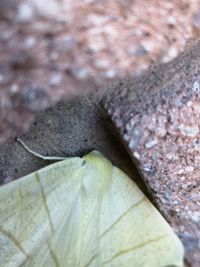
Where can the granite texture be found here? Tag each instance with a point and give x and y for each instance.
(158, 118)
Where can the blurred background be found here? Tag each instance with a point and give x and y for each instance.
(57, 49)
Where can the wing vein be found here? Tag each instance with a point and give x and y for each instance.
(123, 215)
(135, 248)
(53, 255)
(92, 259)
(44, 201)
(10, 236)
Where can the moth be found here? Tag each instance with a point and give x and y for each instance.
(82, 212)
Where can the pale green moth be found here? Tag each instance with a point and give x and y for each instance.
(82, 212)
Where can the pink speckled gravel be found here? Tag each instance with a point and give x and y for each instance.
(52, 50)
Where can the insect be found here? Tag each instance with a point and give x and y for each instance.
(82, 212)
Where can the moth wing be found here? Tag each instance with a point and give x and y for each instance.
(136, 234)
(31, 211)
(91, 215)
(112, 223)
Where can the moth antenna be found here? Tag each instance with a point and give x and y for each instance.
(37, 154)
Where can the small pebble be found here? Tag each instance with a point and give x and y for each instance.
(66, 43)
(189, 169)
(182, 178)
(56, 79)
(189, 104)
(178, 102)
(14, 88)
(181, 171)
(138, 51)
(197, 108)
(172, 156)
(46, 8)
(151, 144)
(35, 98)
(80, 73)
(102, 64)
(30, 42)
(148, 46)
(195, 215)
(135, 137)
(196, 87)
(25, 12)
(126, 137)
(129, 125)
(96, 20)
(170, 54)
(110, 74)
(184, 186)
(54, 56)
(171, 21)
(1, 78)
(190, 131)
(149, 169)
(136, 155)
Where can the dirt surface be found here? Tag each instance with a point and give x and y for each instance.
(67, 129)
(158, 117)
(51, 50)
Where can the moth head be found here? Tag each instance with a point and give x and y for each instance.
(100, 169)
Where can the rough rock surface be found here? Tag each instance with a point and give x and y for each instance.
(158, 117)
(50, 49)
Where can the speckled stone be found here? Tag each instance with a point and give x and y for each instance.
(159, 120)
